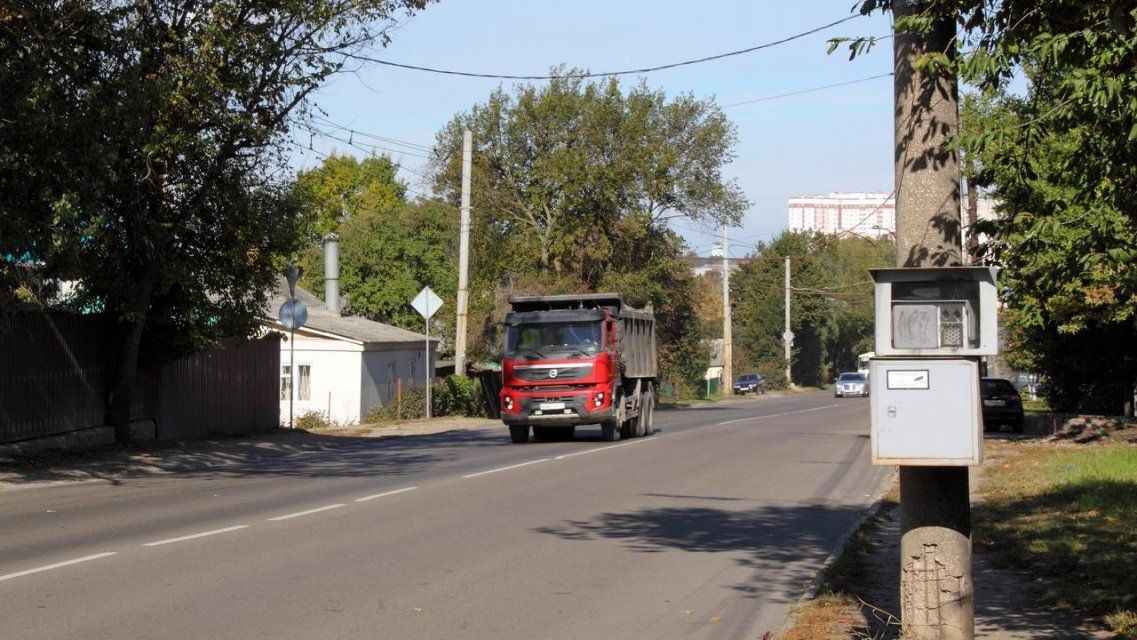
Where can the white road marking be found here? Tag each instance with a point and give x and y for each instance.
(385, 494)
(512, 466)
(196, 535)
(614, 446)
(57, 565)
(308, 512)
(778, 415)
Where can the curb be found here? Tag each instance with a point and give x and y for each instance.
(814, 585)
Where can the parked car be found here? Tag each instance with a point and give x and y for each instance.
(749, 383)
(1001, 404)
(851, 383)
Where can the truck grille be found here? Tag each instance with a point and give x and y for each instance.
(537, 373)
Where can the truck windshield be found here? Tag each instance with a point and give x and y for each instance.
(544, 339)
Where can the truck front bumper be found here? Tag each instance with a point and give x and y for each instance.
(557, 408)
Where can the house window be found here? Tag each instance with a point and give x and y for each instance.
(304, 385)
(285, 382)
(304, 390)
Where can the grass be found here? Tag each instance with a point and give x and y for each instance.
(1069, 516)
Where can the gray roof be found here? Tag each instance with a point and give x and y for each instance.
(350, 327)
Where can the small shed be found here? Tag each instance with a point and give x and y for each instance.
(345, 365)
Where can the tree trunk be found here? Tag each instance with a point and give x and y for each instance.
(120, 399)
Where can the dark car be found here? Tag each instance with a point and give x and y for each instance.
(1001, 404)
(750, 383)
(851, 383)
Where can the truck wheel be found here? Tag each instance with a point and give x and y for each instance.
(519, 433)
(610, 431)
(647, 414)
(630, 427)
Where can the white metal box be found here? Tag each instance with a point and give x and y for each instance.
(950, 311)
(925, 412)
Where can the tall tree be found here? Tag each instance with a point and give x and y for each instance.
(573, 181)
(1061, 161)
(176, 218)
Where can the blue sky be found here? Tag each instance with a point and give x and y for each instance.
(834, 140)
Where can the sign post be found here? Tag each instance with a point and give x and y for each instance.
(427, 303)
(293, 314)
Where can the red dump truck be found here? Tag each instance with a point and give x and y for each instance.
(578, 359)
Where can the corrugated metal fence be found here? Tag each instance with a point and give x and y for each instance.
(55, 370)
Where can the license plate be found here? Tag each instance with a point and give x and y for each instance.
(552, 406)
(994, 403)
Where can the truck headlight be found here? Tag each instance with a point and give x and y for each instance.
(508, 401)
(598, 399)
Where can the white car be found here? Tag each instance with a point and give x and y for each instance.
(851, 384)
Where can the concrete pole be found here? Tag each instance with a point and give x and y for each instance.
(727, 339)
(463, 256)
(788, 336)
(936, 592)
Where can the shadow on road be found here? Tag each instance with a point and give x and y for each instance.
(284, 454)
(784, 545)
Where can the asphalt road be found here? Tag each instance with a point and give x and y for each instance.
(710, 529)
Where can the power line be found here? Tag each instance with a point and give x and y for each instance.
(395, 141)
(351, 142)
(504, 76)
(803, 91)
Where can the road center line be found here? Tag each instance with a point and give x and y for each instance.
(305, 513)
(512, 466)
(614, 446)
(385, 494)
(57, 565)
(778, 415)
(196, 535)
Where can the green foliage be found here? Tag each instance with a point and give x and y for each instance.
(1061, 161)
(389, 248)
(831, 308)
(153, 162)
(572, 183)
(312, 420)
(452, 397)
(342, 186)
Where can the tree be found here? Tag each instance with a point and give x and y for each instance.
(573, 182)
(1060, 161)
(175, 218)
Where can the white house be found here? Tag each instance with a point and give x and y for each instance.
(345, 365)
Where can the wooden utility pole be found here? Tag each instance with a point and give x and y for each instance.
(727, 346)
(463, 257)
(936, 593)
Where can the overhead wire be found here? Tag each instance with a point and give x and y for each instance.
(602, 74)
(805, 91)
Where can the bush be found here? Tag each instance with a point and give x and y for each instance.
(453, 397)
(312, 419)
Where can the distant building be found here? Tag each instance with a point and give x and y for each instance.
(702, 265)
(867, 214)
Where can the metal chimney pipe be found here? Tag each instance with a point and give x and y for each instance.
(332, 273)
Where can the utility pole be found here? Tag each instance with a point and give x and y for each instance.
(788, 336)
(463, 256)
(727, 340)
(936, 592)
